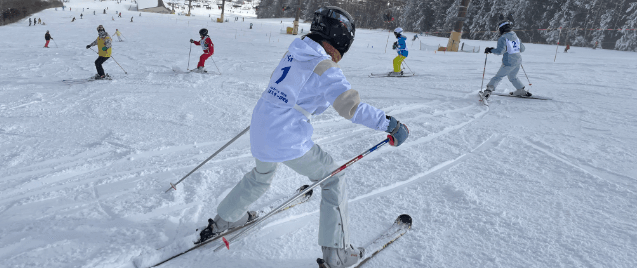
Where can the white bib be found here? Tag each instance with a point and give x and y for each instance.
(287, 80)
(204, 44)
(513, 46)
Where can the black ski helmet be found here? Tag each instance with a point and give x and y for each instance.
(335, 25)
(204, 32)
(505, 23)
(504, 26)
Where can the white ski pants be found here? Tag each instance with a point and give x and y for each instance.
(315, 164)
(507, 70)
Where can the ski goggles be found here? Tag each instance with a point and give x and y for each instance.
(502, 24)
(330, 13)
(100, 28)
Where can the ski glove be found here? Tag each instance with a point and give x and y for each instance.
(488, 50)
(191, 40)
(395, 45)
(104, 48)
(398, 132)
(88, 46)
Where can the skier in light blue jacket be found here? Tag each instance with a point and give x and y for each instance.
(306, 82)
(510, 47)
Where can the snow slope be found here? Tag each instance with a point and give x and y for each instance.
(524, 183)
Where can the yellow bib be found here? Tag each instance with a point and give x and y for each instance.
(101, 45)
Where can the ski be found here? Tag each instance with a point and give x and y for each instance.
(535, 97)
(84, 80)
(399, 228)
(260, 213)
(373, 75)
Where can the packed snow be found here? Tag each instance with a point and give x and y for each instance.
(522, 183)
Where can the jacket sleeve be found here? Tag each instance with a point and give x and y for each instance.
(501, 48)
(196, 43)
(521, 46)
(346, 101)
(107, 41)
(210, 45)
(95, 42)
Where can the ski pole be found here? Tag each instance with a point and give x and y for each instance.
(214, 63)
(405, 64)
(385, 46)
(54, 41)
(525, 74)
(301, 193)
(125, 72)
(114, 59)
(485, 68)
(173, 186)
(189, 61)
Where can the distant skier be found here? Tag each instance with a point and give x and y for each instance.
(39, 21)
(120, 15)
(207, 48)
(47, 37)
(132, 19)
(104, 11)
(29, 21)
(414, 37)
(74, 19)
(306, 81)
(80, 15)
(94, 12)
(566, 49)
(401, 47)
(508, 44)
(118, 34)
(104, 51)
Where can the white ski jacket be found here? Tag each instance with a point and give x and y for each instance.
(306, 77)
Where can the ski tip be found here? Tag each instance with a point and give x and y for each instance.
(405, 218)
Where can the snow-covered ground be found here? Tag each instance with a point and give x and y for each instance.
(524, 183)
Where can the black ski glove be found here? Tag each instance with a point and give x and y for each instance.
(191, 40)
(398, 132)
(395, 45)
(488, 50)
(88, 46)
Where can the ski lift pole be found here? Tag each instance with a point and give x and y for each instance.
(285, 204)
(173, 186)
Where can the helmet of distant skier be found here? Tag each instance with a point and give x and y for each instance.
(204, 32)
(504, 26)
(336, 26)
(398, 32)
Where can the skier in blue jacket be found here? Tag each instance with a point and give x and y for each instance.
(306, 82)
(403, 53)
(509, 46)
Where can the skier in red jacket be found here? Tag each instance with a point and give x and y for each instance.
(207, 48)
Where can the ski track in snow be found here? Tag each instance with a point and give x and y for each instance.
(520, 183)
